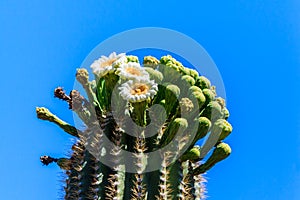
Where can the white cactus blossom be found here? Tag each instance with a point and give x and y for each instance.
(105, 64)
(132, 71)
(138, 90)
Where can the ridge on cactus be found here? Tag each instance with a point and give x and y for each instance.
(143, 123)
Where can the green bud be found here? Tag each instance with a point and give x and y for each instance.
(188, 79)
(170, 72)
(221, 152)
(177, 126)
(221, 101)
(209, 95)
(193, 154)
(222, 127)
(185, 71)
(226, 113)
(172, 94)
(194, 89)
(45, 114)
(154, 74)
(203, 82)
(212, 111)
(166, 60)
(203, 128)
(172, 90)
(150, 61)
(194, 73)
(131, 58)
(200, 98)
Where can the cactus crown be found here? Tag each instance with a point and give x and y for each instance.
(142, 126)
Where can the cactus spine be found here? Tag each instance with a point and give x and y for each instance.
(131, 111)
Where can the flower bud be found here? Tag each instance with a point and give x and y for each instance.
(226, 113)
(188, 79)
(172, 94)
(177, 126)
(209, 95)
(204, 125)
(193, 154)
(200, 98)
(150, 61)
(222, 127)
(194, 73)
(212, 111)
(154, 74)
(203, 82)
(131, 58)
(221, 152)
(82, 76)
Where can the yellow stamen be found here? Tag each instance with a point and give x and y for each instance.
(133, 71)
(140, 89)
(108, 62)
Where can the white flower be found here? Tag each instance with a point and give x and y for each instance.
(105, 65)
(132, 71)
(138, 90)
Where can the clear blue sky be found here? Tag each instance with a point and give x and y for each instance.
(255, 44)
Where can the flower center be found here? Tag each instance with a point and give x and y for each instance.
(133, 71)
(108, 62)
(139, 89)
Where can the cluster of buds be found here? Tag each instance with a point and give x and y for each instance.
(144, 123)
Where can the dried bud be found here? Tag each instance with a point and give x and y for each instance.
(46, 160)
(60, 94)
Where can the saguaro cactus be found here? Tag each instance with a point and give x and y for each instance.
(143, 124)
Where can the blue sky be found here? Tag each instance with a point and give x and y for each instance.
(255, 45)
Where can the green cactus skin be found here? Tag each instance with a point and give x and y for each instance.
(171, 111)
